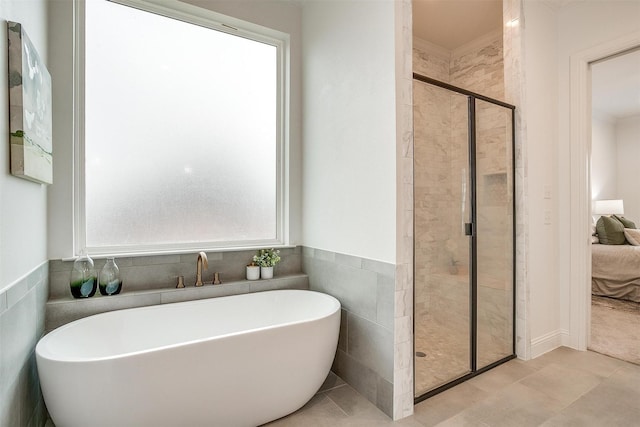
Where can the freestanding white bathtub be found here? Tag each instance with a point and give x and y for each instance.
(241, 360)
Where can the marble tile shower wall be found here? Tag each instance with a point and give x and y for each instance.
(433, 197)
(22, 317)
(440, 146)
(514, 82)
(431, 64)
(366, 290)
(480, 69)
(441, 162)
(403, 313)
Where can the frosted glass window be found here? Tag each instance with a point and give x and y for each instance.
(181, 133)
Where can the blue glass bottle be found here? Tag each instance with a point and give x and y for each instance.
(84, 279)
(110, 282)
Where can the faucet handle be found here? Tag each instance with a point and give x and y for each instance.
(180, 283)
(216, 279)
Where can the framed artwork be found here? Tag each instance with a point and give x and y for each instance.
(30, 121)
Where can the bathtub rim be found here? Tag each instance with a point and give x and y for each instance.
(41, 350)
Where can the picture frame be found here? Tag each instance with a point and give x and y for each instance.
(30, 109)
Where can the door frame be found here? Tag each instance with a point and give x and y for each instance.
(580, 186)
(472, 97)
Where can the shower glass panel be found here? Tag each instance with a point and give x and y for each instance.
(442, 207)
(494, 232)
(463, 234)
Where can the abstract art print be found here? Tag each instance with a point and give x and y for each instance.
(30, 121)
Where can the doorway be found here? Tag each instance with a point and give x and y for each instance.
(580, 188)
(615, 275)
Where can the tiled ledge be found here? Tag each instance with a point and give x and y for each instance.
(64, 310)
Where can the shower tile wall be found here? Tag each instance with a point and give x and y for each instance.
(478, 68)
(22, 309)
(440, 159)
(403, 390)
(514, 94)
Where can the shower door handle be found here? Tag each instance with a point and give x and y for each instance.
(468, 229)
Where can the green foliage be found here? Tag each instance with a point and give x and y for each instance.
(267, 257)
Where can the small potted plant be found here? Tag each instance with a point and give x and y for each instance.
(253, 271)
(267, 259)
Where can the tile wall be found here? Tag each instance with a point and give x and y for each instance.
(22, 317)
(143, 273)
(514, 81)
(365, 289)
(151, 280)
(440, 149)
(441, 164)
(403, 302)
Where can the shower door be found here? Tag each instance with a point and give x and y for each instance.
(463, 235)
(495, 233)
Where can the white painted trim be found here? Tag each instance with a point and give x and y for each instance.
(580, 199)
(208, 19)
(549, 341)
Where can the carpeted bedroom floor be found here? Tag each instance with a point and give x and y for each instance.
(615, 328)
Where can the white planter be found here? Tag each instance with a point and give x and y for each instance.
(266, 272)
(253, 272)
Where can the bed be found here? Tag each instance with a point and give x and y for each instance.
(615, 271)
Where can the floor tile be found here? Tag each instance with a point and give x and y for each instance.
(502, 376)
(320, 411)
(515, 405)
(562, 382)
(599, 407)
(448, 403)
(355, 405)
(562, 388)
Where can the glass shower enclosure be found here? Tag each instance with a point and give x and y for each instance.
(463, 234)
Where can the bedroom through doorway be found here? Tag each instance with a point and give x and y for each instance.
(615, 147)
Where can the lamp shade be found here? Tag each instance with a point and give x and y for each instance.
(608, 207)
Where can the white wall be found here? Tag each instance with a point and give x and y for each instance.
(349, 133)
(628, 142)
(604, 159)
(552, 33)
(278, 15)
(539, 115)
(23, 242)
(23, 204)
(581, 26)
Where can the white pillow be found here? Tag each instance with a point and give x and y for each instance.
(633, 236)
(594, 239)
(593, 229)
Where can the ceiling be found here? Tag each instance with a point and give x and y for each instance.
(615, 84)
(453, 23)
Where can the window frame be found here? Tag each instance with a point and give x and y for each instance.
(209, 19)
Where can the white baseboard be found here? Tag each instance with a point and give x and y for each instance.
(548, 342)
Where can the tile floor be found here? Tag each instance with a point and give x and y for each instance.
(561, 388)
